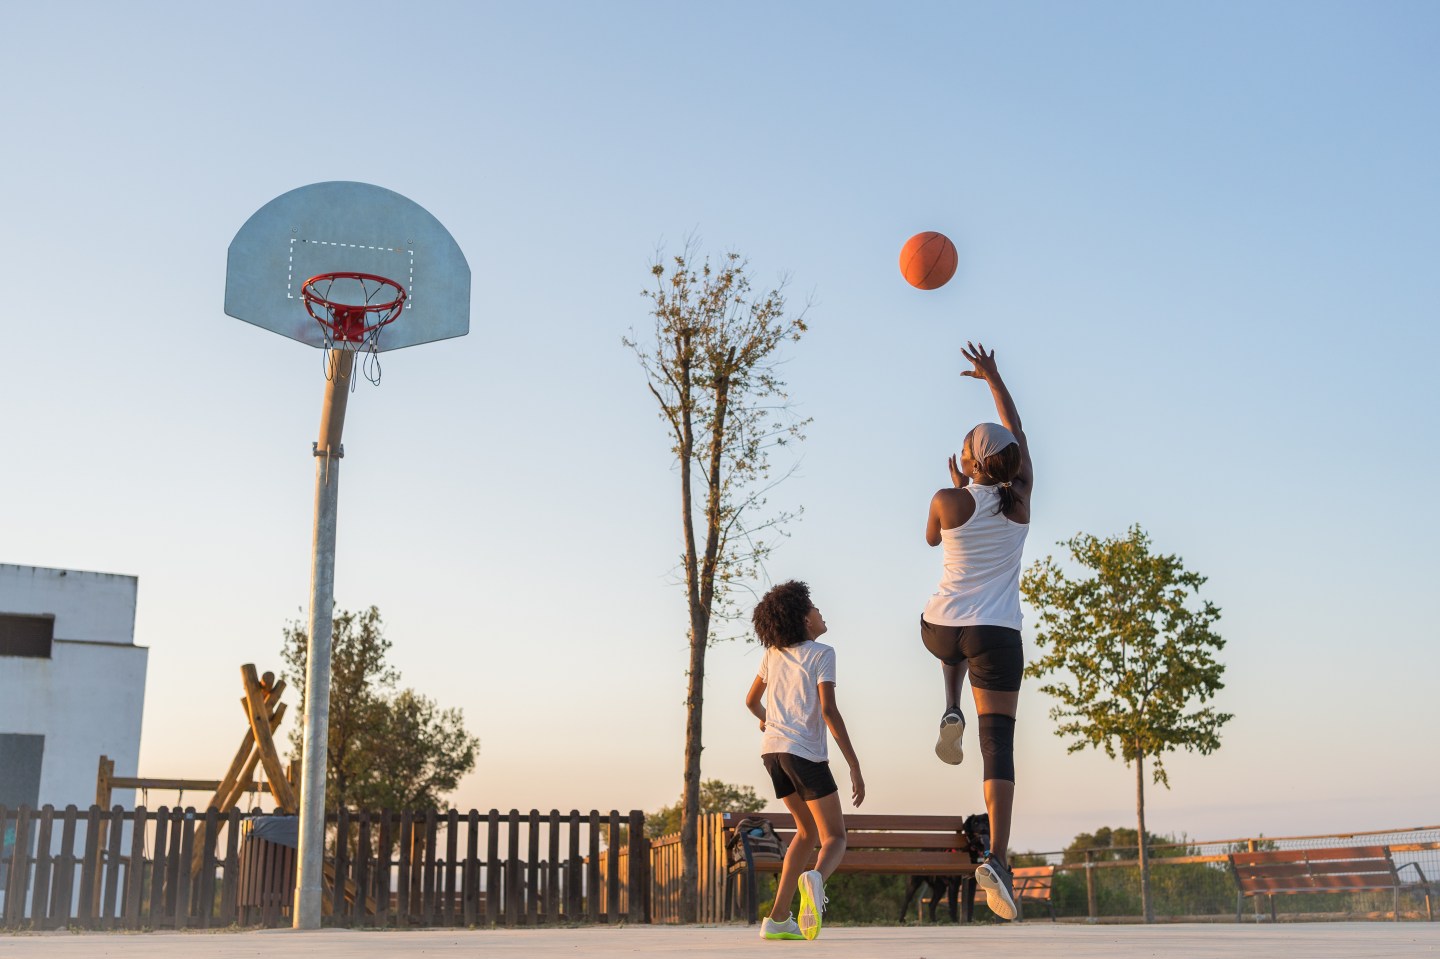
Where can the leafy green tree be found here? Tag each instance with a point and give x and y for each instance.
(389, 748)
(715, 796)
(1114, 845)
(712, 367)
(1131, 652)
(1178, 888)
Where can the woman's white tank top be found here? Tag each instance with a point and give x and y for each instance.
(981, 582)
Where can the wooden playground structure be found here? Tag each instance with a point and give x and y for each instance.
(263, 714)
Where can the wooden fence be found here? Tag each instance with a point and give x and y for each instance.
(176, 868)
(666, 873)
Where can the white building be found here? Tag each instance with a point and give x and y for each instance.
(72, 684)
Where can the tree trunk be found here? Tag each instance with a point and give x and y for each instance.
(690, 794)
(1146, 907)
(700, 590)
(690, 812)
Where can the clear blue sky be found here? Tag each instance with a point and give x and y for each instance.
(1202, 238)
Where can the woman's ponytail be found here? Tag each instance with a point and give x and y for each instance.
(1003, 467)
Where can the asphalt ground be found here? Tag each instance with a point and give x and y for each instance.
(1031, 940)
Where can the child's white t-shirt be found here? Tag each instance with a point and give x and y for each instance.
(792, 677)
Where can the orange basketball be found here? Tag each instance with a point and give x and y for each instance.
(928, 260)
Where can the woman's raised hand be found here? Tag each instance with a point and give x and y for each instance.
(985, 367)
(957, 478)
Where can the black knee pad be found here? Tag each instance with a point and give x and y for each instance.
(997, 745)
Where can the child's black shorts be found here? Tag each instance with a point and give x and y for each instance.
(792, 774)
(994, 653)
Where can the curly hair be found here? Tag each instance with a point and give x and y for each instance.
(779, 618)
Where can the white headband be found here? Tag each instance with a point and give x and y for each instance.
(987, 439)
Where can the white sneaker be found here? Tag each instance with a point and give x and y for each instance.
(789, 929)
(812, 903)
(952, 730)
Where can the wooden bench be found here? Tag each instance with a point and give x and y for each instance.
(875, 844)
(1034, 884)
(1341, 869)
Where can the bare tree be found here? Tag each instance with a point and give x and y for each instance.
(711, 367)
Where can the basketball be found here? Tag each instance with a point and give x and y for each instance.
(928, 260)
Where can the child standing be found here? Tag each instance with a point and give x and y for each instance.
(793, 696)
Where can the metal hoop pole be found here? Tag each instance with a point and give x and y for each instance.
(308, 890)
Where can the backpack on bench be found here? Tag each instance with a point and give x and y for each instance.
(760, 837)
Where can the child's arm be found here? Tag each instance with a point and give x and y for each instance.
(755, 700)
(836, 722)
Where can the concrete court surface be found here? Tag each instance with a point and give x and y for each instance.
(1027, 941)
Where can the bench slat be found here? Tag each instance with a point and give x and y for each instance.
(894, 863)
(1315, 884)
(1349, 852)
(1333, 867)
(1311, 855)
(1362, 867)
(868, 821)
(939, 841)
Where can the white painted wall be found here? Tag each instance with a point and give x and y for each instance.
(88, 698)
(95, 607)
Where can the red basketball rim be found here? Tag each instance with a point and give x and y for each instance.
(352, 322)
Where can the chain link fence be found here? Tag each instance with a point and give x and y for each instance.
(1193, 881)
(1190, 881)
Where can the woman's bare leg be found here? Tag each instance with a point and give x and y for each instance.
(954, 682)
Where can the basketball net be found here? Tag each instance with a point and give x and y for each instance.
(352, 309)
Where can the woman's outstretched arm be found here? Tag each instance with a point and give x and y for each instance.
(987, 370)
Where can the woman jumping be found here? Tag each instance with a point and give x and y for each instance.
(972, 622)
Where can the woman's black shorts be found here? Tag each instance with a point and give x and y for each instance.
(994, 653)
(792, 774)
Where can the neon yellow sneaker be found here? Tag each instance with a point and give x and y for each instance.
(812, 903)
(789, 929)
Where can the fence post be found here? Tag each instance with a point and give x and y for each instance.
(183, 878)
(230, 885)
(402, 880)
(493, 903)
(574, 870)
(552, 872)
(452, 852)
(638, 880)
(514, 902)
(40, 895)
(382, 870)
(62, 894)
(361, 912)
(470, 878)
(612, 869)
(135, 871)
(112, 908)
(1092, 906)
(339, 913)
(532, 868)
(430, 879)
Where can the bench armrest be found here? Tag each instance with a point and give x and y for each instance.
(1418, 871)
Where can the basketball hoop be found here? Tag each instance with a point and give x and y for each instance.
(352, 325)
